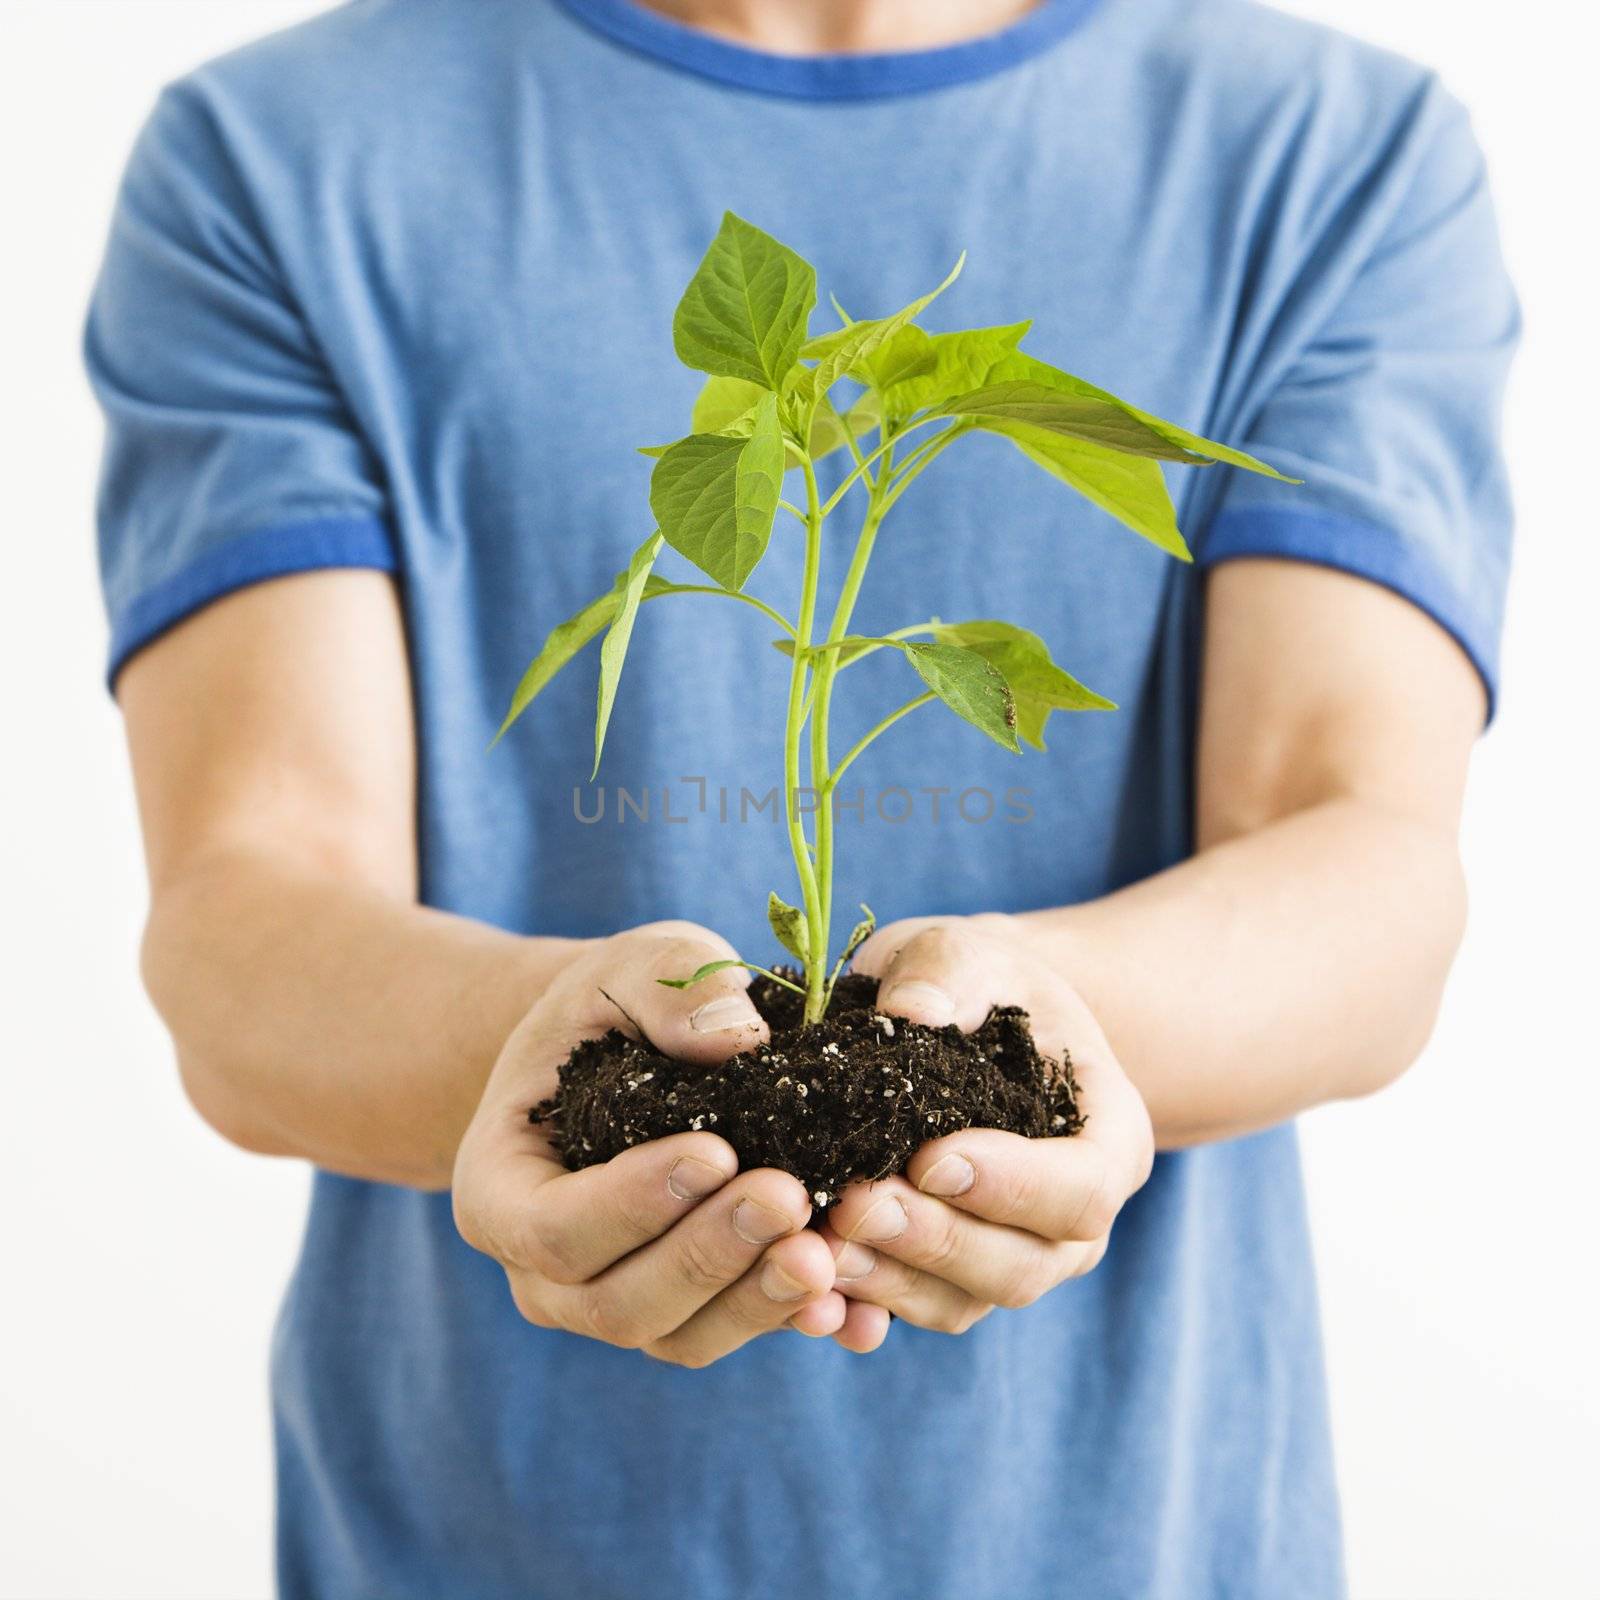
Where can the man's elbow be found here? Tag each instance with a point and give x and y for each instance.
(172, 966)
(223, 1109)
(1410, 1026)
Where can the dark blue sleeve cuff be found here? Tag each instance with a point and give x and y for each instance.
(1366, 551)
(272, 552)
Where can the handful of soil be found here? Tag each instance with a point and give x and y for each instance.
(845, 1100)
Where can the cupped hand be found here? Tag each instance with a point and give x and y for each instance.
(984, 1218)
(668, 1248)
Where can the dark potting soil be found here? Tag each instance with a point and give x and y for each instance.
(846, 1100)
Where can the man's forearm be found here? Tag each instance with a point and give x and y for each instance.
(323, 1019)
(1293, 965)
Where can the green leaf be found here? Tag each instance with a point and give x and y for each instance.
(715, 496)
(1038, 686)
(904, 355)
(952, 364)
(859, 934)
(848, 348)
(722, 966)
(700, 972)
(561, 644)
(847, 648)
(970, 685)
(790, 925)
(826, 433)
(1021, 389)
(745, 312)
(629, 590)
(1076, 416)
(727, 405)
(1129, 488)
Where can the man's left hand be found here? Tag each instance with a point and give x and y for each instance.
(983, 1218)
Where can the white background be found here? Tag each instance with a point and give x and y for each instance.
(1456, 1215)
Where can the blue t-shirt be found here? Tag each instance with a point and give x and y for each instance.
(393, 289)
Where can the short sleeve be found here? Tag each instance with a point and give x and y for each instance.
(1387, 402)
(230, 456)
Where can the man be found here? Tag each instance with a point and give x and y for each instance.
(384, 315)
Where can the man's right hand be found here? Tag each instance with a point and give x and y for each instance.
(666, 1248)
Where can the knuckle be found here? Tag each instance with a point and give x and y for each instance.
(942, 942)
(467, 1220)
(940, 1242)
(524, 1296)
(971, 1315)
(675, 1354)
(548, 1250)
(1099, 1208)
(1021, 1285)
(605, 1320)
(1093, 1255)
(701, 1267)
(1008, 1192)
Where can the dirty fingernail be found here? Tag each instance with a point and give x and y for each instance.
(923, 1002)
(731, 1011)
(759, 1224)
(854, 1261)
(690, 1179)
(950, 1176)
(776, 1284)
(885, 1221)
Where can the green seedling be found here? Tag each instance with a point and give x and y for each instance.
(767, 411)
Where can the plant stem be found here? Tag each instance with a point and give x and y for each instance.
(872, 733)
(919, 459)
(728, 594)
(825, 669)
(888, 445)
(817, 963)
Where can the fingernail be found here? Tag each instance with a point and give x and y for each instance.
(731, 1011)
(854, 1261)
(885, 1221)
(759, 1224)
(691, 1179)
(951, 1175)
(922, 1002)
(776, 1284)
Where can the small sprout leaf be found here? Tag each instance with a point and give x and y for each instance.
(861, 932)
(700, 973)
(790, 925)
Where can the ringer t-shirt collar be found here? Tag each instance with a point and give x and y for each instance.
(830, 77)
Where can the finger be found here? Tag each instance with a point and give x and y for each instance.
(999, 1265)
(819, 1319)
(1056, 1188)
(708, 1021)
(654, 1291)
(870, 1277)
(941, 974)
(790, 1274)
(865, 1328)
(882, 947)
(571, 1227)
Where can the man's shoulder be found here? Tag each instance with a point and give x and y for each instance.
(358, 62)
(1254, 58)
